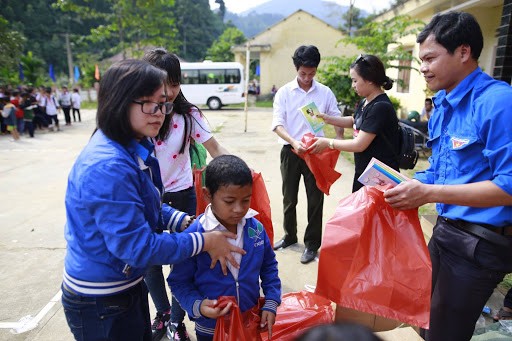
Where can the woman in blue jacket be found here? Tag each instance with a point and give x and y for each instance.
(113, 206)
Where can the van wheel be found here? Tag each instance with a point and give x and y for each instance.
(214, 103)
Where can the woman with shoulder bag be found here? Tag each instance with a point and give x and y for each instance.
(375, 122)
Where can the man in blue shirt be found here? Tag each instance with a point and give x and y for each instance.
(470, 176)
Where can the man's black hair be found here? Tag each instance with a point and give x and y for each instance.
(454, 29)
(226, 170)
(428, 99)
(308, 56)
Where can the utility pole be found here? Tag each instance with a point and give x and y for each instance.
(70, 59)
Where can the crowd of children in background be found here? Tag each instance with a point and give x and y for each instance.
(25, 109)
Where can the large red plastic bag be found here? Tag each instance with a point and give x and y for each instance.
(374, 259)
(260, 201)
(237, 326)
(298, 312)
(321, 164)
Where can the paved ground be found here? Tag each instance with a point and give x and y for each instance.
(32, 247)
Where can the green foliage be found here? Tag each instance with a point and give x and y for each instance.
(128, 24)
(11, 44)
(197, 26)
(378, 38)
(334, 72)
(352, 20)
(32, 69)
(395, 102)
(220, 51)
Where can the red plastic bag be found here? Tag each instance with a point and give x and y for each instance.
(201, 200)
(321, 165)
(374, 259)
(237, 326)
(298, 312)
(259, 201)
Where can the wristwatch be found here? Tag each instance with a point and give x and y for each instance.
(331, 143)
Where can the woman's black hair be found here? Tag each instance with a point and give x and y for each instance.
(122, 83)
(226, 170)
(371, 69)
(169, 62)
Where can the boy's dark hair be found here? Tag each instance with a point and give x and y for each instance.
(124, 82)
(454, 29)
(371, 69)
(226, 170)
(428, 100)
(339, 332)
(308, 56)
(169, 62)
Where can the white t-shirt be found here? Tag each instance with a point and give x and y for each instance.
(175, 168)
(290, 97)
(51, 105)
(76, 100)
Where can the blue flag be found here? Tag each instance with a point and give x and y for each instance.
(20, 70)
(257, 73)
(51, 73)
(77, 73)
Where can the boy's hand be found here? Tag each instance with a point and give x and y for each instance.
(210, 309)
(268, 318)
(217, 245)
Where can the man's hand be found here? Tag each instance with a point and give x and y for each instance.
(210, 309)
(299, 147)
(407, 195)
(217, 245)
(268, 319)
(320, 144)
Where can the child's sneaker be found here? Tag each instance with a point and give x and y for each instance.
(177, 332)
(159, 325)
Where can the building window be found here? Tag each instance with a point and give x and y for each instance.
(404, 74)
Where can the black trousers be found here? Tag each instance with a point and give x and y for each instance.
(465, 271)
(292, 168)
(67, 117)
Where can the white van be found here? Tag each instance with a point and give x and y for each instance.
(212, 83)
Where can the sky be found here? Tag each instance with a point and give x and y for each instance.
(238, 6)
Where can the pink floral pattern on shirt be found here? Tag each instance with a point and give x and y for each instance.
(175, 167)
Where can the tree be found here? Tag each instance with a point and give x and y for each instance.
(32, 68)
(198, 27)
(352, 19)
(378, 38)
(129, 24)
(220, 51)
(11, 44)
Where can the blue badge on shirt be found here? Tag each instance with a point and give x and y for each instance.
(256, 233)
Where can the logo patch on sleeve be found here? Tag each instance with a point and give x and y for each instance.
(458, 143)
(256, 234)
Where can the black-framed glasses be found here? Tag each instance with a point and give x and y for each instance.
(360, 58)
(151, 108)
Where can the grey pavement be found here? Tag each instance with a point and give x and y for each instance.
(33, 183)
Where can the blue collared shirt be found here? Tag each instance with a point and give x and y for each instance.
(471, 141)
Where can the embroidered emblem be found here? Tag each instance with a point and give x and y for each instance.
(458, 143)
(255, 233)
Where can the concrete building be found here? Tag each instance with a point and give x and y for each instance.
(494, 19)
(274, 47)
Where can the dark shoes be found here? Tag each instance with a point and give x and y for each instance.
(308, 256)
(159, 325)
(282, 244)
